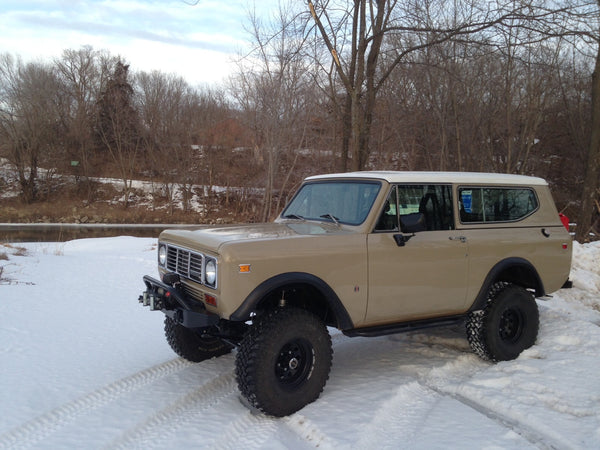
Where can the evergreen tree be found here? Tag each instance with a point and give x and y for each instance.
(118, 127)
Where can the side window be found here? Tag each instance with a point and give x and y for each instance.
(417, 208)
(388, 219)
(486, 204)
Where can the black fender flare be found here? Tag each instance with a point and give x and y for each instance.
(342, 317)
(514, 266)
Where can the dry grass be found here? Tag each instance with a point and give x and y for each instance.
(16, 251)
(64, 201)
(3, 257)
(69, 206)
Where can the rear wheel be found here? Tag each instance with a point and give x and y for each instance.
(193, 346)
(283, 361)
(507, 325)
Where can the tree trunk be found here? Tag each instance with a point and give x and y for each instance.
(592, 173)
(346, 131)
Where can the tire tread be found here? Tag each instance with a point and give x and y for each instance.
(479, 328)
(190, 345)
(265, 330)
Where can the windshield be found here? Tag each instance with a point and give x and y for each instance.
(347, 202)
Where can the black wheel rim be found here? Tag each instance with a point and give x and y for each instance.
(511, 325)
(294, 363)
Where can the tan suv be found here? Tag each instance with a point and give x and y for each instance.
(370, 253)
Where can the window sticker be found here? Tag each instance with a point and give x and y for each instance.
(467, 201)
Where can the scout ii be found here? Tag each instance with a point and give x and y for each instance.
(369, 253)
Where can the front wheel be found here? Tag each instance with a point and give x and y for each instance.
(283, 361)
(191, 345)
(507, 325)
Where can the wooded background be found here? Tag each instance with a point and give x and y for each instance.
(462, 85)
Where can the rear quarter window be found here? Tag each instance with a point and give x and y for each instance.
(496, 204)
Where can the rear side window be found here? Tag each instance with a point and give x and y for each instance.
(497, 204)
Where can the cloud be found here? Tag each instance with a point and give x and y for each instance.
(119, 30)
(175, 23)
(149, 34)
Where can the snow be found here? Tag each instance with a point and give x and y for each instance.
(83, 365)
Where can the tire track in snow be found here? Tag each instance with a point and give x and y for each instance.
(38, 428)
(252, 430)
(162, 424)
(379, 431)
(537, 438)
(387, 427)
(309, 432)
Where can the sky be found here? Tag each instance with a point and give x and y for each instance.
(197, 39)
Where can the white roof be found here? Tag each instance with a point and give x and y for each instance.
(438, 177)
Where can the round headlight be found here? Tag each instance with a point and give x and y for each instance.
(162, 255)
(210, 274)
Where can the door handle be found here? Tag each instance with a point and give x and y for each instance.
(458, 238)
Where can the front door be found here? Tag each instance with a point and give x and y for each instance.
(417, 260)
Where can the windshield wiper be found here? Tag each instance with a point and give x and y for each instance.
(331, 217)
(294, 216)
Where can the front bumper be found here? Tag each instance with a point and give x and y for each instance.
(175, 304)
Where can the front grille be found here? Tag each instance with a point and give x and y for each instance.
(186, 263)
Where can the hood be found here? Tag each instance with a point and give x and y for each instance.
(211, 238)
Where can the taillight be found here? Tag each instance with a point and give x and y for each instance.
(565, 220)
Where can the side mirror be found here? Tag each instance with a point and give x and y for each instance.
(401, 239)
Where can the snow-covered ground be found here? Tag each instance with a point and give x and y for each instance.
(83, 365)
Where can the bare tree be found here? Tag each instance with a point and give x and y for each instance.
(216, 131)
(578, 21)
(166, 105)
(30, 121)
(590, 205)
(359, 38)
(84, 74)
(270, 90)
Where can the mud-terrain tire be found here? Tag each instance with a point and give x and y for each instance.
(283, 361)
(193, 346)
(507, 325)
